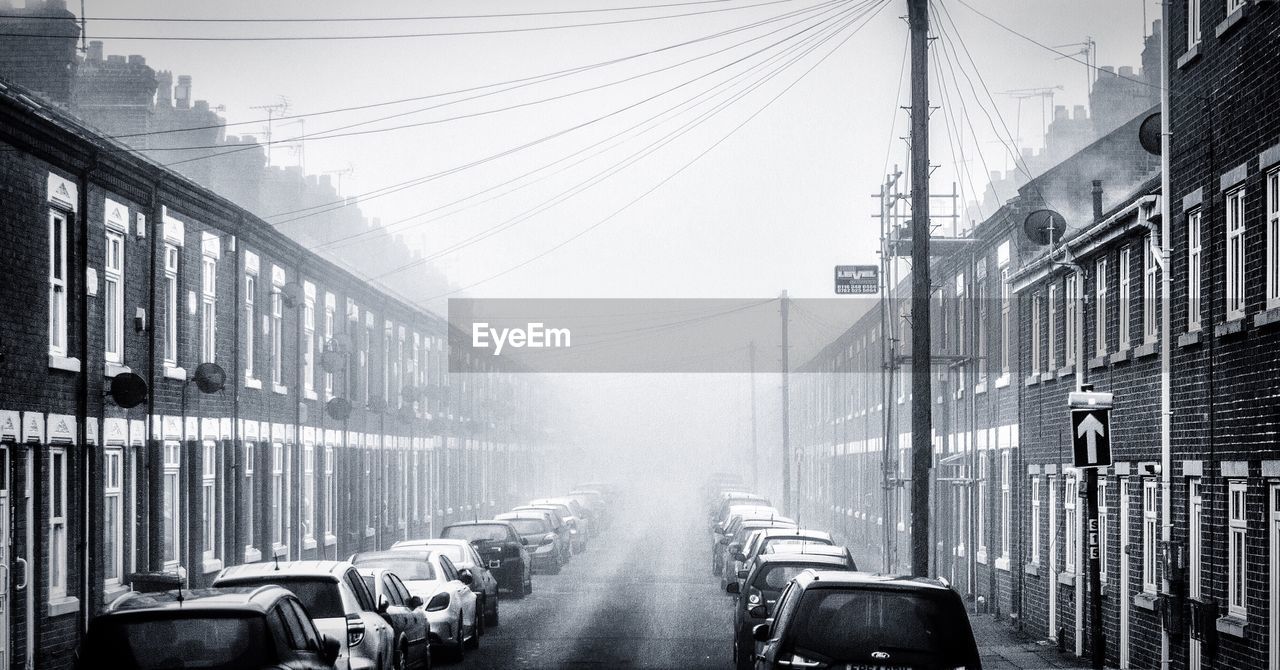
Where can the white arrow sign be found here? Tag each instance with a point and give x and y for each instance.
(1091, 429)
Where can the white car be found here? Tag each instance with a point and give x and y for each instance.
(573, 509)
(445, 591)
(337, 600)
(464, 556)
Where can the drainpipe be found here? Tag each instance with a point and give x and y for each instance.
(1166, 509)
(87, 508)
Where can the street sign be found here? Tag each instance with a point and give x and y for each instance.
(857, 279)
(1091, 437)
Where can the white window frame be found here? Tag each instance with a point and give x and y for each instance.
(113, 507)
(330, 519)
(1273, 239)
(1051, 319)
(172, 304)
(1104, 521)
(250, 318)
(1071, 523)
(209, 498)
(1235, 5)
(1150, 533)
(1125, 293)
(1005, 307)
(1237, 547)
(249, 503)
(1150, 280)
(113, 297)
(1195, 271)
(1235, 252)
(1071, 297)
(1195, 544)
(173, 498)
(982, 504)
(1036, 334)
(1006, 502)
(308, 494)
(387, 364)
(279, 538)
(1035, 520)
(58, 282)
(1100, 307)
(58, 543)
(1193, 24)
(309, 341)
(330, 314)
(277, 328)
(208, 308)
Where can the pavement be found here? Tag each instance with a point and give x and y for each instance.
(1003, 648)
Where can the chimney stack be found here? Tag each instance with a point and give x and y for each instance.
(1097, 200)
(95, 51)
(164, 88)
(182, 95)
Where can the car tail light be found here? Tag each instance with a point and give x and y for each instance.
(438, 602)
(355, 630)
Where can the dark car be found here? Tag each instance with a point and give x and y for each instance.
(502, 547)
(762, 583)
(264, 628)
(736, 538)
(853, 619)
(545, 544)
(759, 542)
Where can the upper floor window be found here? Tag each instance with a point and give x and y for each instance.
(1194, 263)
(250, 315)
(1150, 533)
(57, 283)
(1235, 5)
(1123, 296)
(1100, 307)
(1053, 328)
(1273, 239)
(277, 327)
(172, 303)
(1036, 334)
(1071, 301)
(208, 308)
(309, 339)
(1235, 254)
(330, 309)
(113, 297)
(1150, 275)
(1193, 23)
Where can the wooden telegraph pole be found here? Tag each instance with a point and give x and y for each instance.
(921, 391)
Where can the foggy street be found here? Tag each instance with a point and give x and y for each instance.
(639, 597)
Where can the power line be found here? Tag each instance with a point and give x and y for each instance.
(452, 33)
(695, 159)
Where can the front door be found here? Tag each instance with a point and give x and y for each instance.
(1195, 516)
(1273, 539)
(6, 583)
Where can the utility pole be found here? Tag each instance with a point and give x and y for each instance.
(755, 466)
(786, 410)
(921, 381)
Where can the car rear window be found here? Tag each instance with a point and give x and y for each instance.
(529, 526)
(407, 569)
(319, 596)
(912, 627)
(455, 553)
(163, 642)
(774, 577)
(480, 533)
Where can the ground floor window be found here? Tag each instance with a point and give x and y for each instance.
(172, 502)
(113, 516)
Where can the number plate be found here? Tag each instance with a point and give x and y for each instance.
(495, 563)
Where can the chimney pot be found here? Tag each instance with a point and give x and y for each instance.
(1126, 71)
(1097, 200)
(1059, 112)
(135, 59)
(182, 94)
(1078, 113)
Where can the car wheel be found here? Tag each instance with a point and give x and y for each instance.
(493, 614)
(477, 630)
(459, 650)
(481, 620)
(401, 660)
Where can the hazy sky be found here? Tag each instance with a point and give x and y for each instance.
(772, 207)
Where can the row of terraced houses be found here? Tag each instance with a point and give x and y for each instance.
(1008, 526)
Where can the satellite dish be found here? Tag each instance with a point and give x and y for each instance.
(377, 404)
(1149, 134)
(210, 377)
(338, 409)
(1044, 226)
(291, 294)
(128, 390)
(332, 361)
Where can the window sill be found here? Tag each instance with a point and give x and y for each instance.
(64, 363)
(1002, 564)
(1228, 328)
(1067, 578)
(980, 388)
(63, 605)
(1099, 361)
(112, 591)
(1189, 339)
(1002, 381)
(1032, 569)
(280, 389)
(1146, 601)
(252, 555)
(211, 565)
(1048, 376)
(279, 550)
(368, 532)
(1232, 624)
(1032, 380)
(1120, 356)
(308, 543)
(172, 372)
(1067, 371)
(112, 369)
(981, 557)
(1148, 349)
(251, 383)
(1189, 57)
(1230, 22)
(310, 395)
(1266, 318)
(330, 540)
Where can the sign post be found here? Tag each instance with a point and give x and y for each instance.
(857, 279)
(1091, 448)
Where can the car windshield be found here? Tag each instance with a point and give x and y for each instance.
(407, 569)
(782, 545)
(529, 526)
(774, 577)
(851, 625)
(479, 533)
(163, 643)
(320, 597)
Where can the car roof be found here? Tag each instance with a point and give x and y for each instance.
(400, 546)
(332, 569)
(741, 494)
(820, 559)
(527, 514)
(794, 532)
(852, 579)
(478, 522)
(399, 554)
(810, 549)
(258, 600)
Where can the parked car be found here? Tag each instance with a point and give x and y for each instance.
(735, 536)
(220, 629)
(720, 530)
(827, 619)
(761, 539)
(567, 527)
(406, 615)
(464, 557)
(336, 599)
(729, 499)
(505, 550)
(449, 603)
(596, 504)
(549, 548)
(579, 526)
(762, 582)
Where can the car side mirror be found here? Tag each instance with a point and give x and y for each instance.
(330, 647)
(759, 612)
(739, 556)
(465, 577)
(760, 632)
(383, 604)
(732, 587)
(524, 541)
(414, 602)
(742, 574)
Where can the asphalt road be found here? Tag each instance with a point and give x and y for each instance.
(641, 596)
